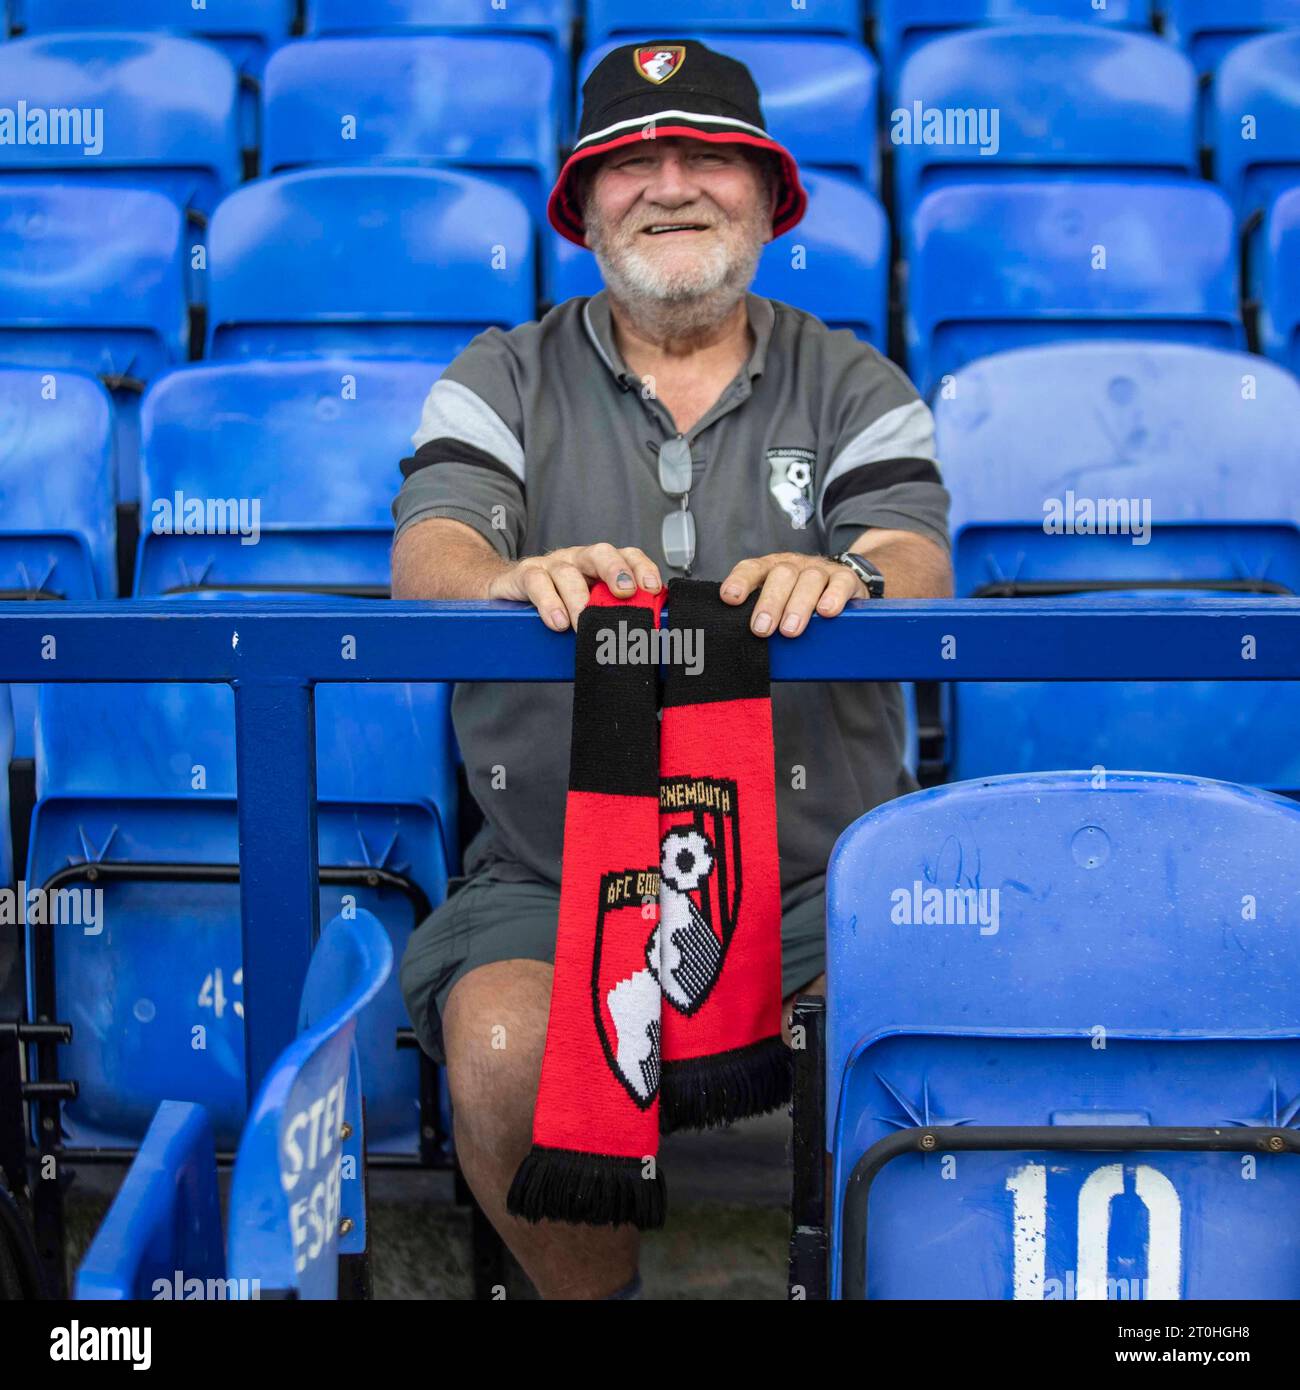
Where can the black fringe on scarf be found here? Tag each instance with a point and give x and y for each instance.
(709, 1091)
(587, 1189)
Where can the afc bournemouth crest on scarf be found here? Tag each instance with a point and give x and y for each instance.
(682, 951)
(657, 63)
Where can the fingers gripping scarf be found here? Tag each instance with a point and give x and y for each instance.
(666, 997)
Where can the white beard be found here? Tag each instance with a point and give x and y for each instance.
(686, 299)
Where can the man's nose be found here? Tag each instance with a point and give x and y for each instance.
(672, 182)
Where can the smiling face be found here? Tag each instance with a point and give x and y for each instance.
(675, 220)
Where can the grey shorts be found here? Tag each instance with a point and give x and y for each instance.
(485, 920)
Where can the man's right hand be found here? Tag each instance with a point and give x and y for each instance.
(557, 584)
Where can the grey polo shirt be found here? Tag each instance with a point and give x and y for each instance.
(541, 438)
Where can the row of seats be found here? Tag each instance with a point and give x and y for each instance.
(1066, 96)
(413, 263)
(1206, 28)
(1072, 902)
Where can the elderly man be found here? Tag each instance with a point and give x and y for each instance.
(673, 424)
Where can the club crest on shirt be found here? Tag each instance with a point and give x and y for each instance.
(680, 953)
(657, 62)
(790, 480)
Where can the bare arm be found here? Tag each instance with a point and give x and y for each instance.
(913, 566)
(444, 559)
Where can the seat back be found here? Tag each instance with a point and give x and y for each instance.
(382, 262)
(1142, 465)
(297, 1196)
(550, 18)
(819, 94)
(1279, 315)
(834, 264)
(1002, 264)
(485, 104)
(1209, 30)
(246, 30)
(140, 775)
(1256, 121)
(309, 450)
(1067, 950)
(146, 109)
(607, 18)
(91, 278)
(901, 25)
(57, 485)
(1039, 98)
(297, 1199)
(165, 1218)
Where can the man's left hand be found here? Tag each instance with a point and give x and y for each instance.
(793, 587)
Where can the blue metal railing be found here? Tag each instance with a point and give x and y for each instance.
(274, 652)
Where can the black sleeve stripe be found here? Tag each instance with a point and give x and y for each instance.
(455, 451)
(873, 477)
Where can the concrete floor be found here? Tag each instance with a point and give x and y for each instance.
(726, 1236)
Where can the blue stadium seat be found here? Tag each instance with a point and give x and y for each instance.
(1204, 440)
(902, 25)
(487, 105)
(7, 745)
(606, 18)
(167, 112)
(315, 444)
(93, 279)
(58, 482)
(166, 1216)
(553, 19)
(1051, 951)
(297, 1199)
(1209, 29)
(1066, 98)
(385, 262)
(130, 777)
(1257, 121)
(819, 95)
(834, 264)
(1278, 275)
(246, 30)
(1010, 263)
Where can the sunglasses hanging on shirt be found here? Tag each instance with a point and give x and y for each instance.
(677, 535)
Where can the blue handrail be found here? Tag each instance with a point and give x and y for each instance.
(273, 652)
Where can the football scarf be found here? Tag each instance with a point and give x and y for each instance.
(666, 997)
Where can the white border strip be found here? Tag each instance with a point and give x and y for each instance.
(664, 116)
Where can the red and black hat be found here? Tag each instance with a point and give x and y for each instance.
(675, 88)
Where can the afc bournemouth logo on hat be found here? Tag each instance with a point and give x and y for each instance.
(657, 63)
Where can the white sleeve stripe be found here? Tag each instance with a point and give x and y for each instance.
(453, 411)
(906, 432)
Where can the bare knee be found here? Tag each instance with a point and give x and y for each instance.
(494, 1031)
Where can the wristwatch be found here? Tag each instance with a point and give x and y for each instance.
(865, 570)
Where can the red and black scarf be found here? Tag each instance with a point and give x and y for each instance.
(666, 1000)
